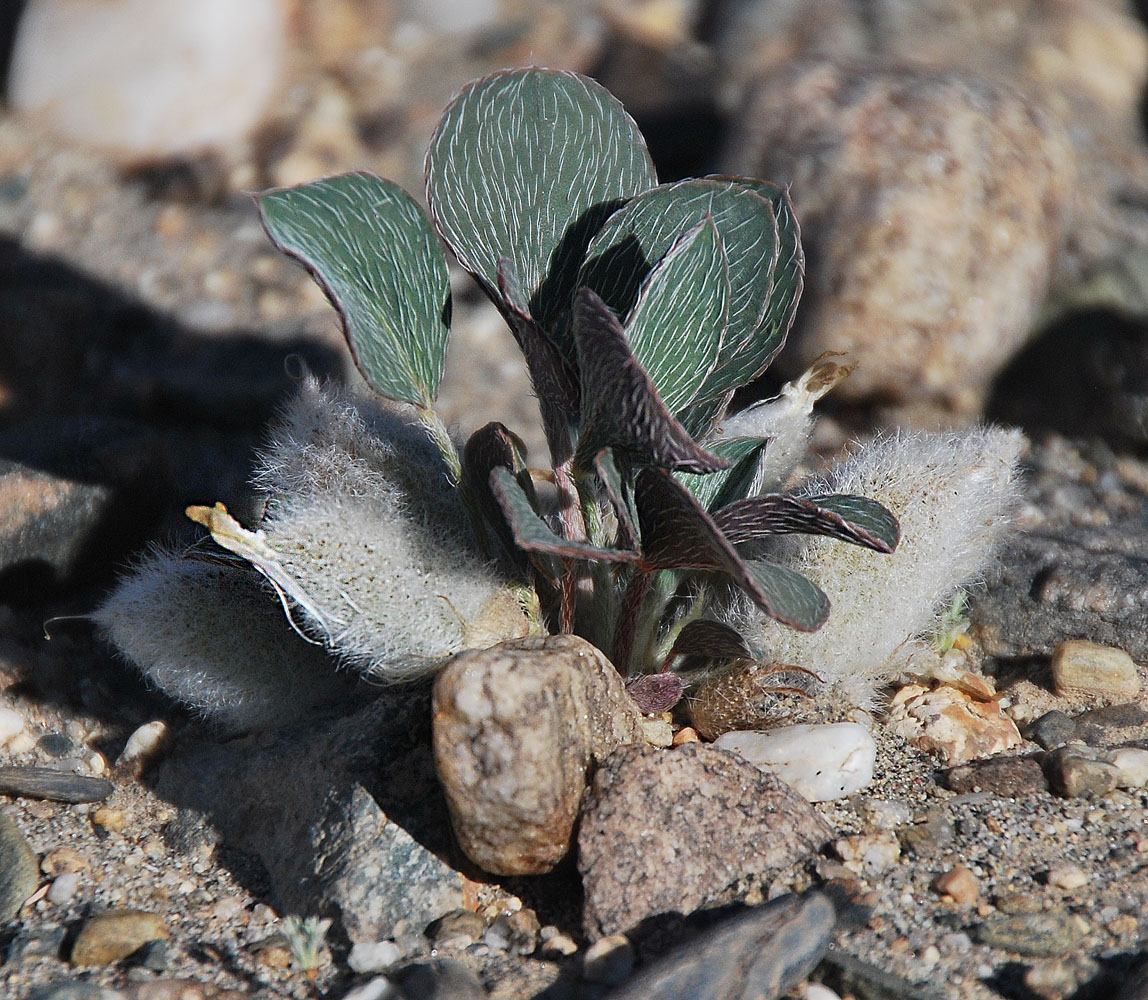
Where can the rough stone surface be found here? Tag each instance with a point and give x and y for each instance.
(19, 870)
(1075, 772)
(516, 729)
(756, 955)
(358, 830)
(113, 935)
(1011, 777)
(636, 858)
(1086, 669)
(1052, 729)
(927, 267)
(1043, 935)
(951, 724)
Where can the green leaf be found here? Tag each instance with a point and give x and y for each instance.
(740, 479)
(533, 534)
(713, 639)
(372, 250)
(678, 534)
(621, 409)
(740, 367)
(866, 516)
(527, 164)
(870, 525)
(640, 234)
(700, 416)
(791, 597)
(677, 326)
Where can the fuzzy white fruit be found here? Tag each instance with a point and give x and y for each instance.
(953, 493)
(820, 762)
(213, 638)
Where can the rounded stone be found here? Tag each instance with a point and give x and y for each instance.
(609, 960)
(114, 934)
(1087, 669)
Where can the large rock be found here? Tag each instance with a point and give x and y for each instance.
(517, 728)
(933, 207)
(344, 813)
(149, 78)
(673, 830)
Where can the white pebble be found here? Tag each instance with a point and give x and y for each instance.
(818, 991)
(11, 723)
(1132, 763)
(609, 960)
(147, 78)
(22, 742)
(144, 743)
(379, 988)
(373, 956)
(1067, 876)
(63, 888)
(821, 762)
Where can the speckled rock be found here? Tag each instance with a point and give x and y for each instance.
(951, 724)
(755, 955)
(932, 206)
(1010, 777)
(1042, 935)
(1076, 772)
(19, 870)
(635, 858)
(516, 730)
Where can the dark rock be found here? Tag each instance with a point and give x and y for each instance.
(927, 839)
(757, 954)
(1114, 716)
(1052, 729)
(852, 976)
(1008, 777)
(56, 744)
(345, 813)
(19, 869)
(1040, 935)
(440, 979)
(34, 944)
(1076, 772)
(672, 830)
(48, 783)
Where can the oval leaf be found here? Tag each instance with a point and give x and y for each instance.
(677, 326)
(527, 164)
(849, 518)
(372, 250)
(639, 234)
(742, 478)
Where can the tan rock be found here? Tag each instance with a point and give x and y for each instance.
(516, 729)
(114, 934)
(933, 206)
(952, 725)
(959, 884)
(1087, 669)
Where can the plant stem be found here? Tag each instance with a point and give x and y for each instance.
(627, 624)
(438, 433)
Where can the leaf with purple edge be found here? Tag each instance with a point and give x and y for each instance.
(710, 638)
(868, 523)
(656, 693)
(621, 408)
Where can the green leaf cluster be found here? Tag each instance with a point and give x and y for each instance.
(640, 309)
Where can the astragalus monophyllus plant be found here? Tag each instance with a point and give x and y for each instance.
(662, 528)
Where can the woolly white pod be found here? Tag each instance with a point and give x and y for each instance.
(953, 492)
(368, 536)
(210, 636)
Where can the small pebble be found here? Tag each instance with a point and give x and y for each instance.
(63, 859)
(657, 732)
(959, 884)
(1088, 669)
(22, 742)
(557, 944)
(373, 956)
(1051, 980)
(19, 874)
(114, 934)
(934, 835)
(687, 734)
(609, 960)
(1131, 764)
(142, 747)
(1067, 877)
(1009, 777)
(63, 888)
(457, 924)
(1052, 729)
(883, 814)
(56, 744)
(820, 762)
(36, 943)
(1048, 934)
(1077, 772)
(49, 783)
(379, 988)
(817, 991)
(869, 852)
(11, 723)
